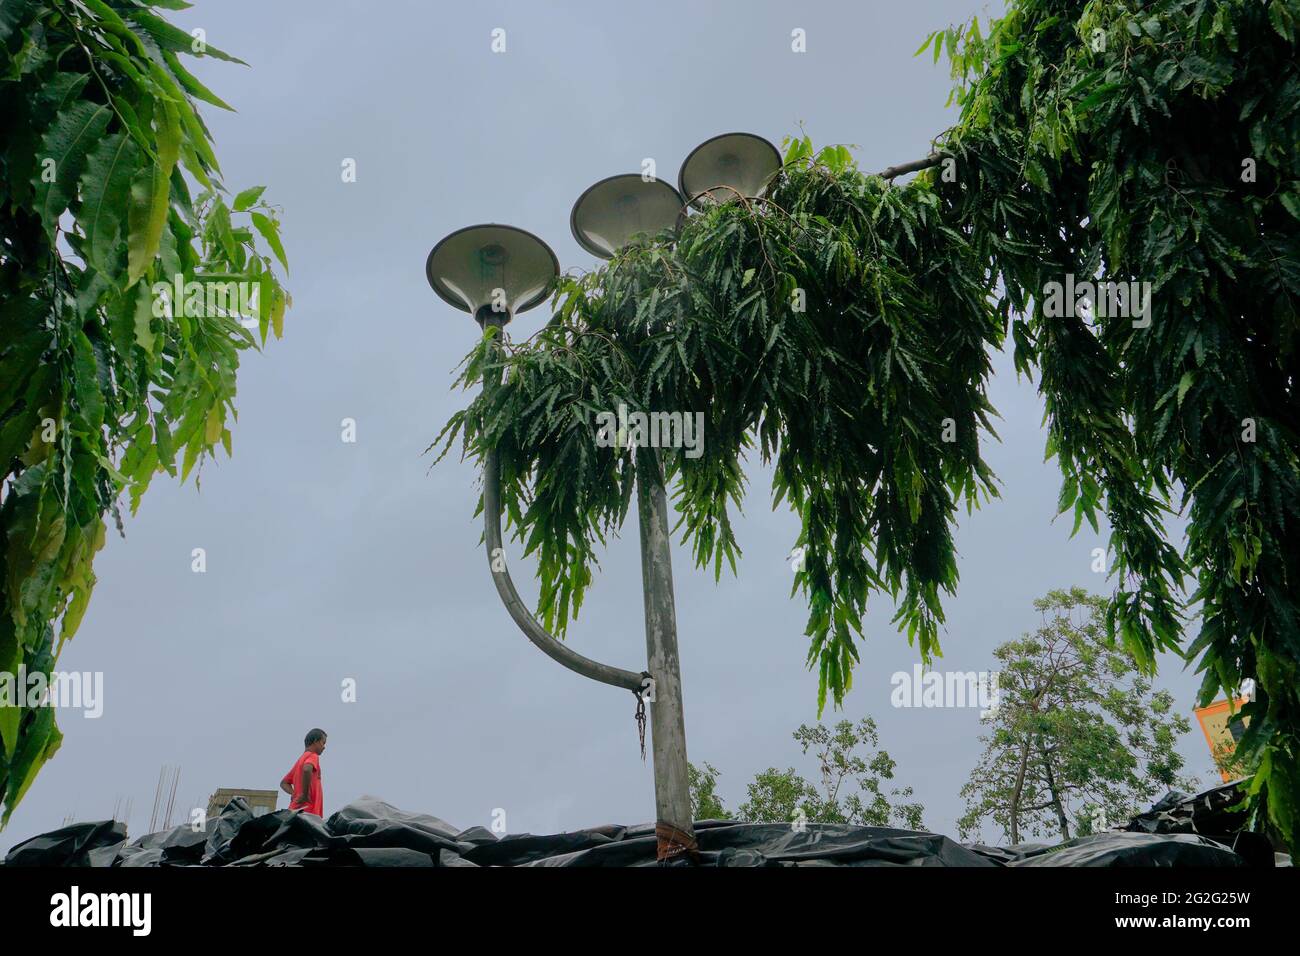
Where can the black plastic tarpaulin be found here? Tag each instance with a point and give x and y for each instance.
(1134, 849)
(1180, 830)
(81, 844)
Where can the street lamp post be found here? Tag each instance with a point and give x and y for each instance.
(606, 218)
(493, 272)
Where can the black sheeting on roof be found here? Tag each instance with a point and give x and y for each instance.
(82, 844)
(1136, 849)
(1180, 830)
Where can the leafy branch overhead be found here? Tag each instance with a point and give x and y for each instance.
(1157, 143)
(837, 329)
(842, 330)
(115, 363)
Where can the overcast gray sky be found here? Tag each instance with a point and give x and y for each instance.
(328, 560)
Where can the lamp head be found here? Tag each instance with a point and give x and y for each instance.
(492, 271)
(742, 161)
(614, 211)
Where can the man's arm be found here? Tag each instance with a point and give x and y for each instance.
(307, 771)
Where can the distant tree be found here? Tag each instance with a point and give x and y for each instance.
(705, 803)
(1078, 738)
(782, 796)
(850, 788)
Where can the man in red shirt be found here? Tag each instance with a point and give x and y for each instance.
(302, 783)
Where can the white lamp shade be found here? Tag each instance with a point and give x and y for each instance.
(490, 266)
(732, 163)
(616, 210)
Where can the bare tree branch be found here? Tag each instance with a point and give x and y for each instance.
(934, 159)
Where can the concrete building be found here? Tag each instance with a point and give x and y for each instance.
(261, 801)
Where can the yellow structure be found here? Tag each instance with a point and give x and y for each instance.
(1223, 725)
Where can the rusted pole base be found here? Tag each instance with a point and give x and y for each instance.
(672, 843)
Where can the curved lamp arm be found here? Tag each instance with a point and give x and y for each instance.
(510, 597)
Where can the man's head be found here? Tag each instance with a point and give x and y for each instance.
(315, 740)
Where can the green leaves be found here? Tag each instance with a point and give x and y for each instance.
(12, 12)
(219, 235)
(173, 38)
(1291, 202)
(75, 131)
(1128, 185)
(150, 200)
(142, 315)
(247, 198)
(848, 388)
(191, 83)
(105, 187)
(39, 741)
(270, 231)
(151, 194)
(119, 356)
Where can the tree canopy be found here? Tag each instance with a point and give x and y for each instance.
(1078, 736)
(838, 329)
(842, 327)
(1157, 142)
(851, 769)
(119, 341)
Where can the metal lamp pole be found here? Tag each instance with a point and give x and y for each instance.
(661, 682)
(493, 271)
(673, 824)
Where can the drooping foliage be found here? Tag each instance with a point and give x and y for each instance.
(839, 329)
(1112, 141)
(109, 193)
(1160, 143)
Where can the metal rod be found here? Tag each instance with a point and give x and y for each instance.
(505, 585)
(674, 827)
(547, 644)
(171, 801)
(667, 722)
(157, 799)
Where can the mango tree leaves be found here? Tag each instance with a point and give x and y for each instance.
(247, 198)
(1083, 149)
(75, 131)
(151, 195)
(105, 190)
(120, 356)
(149, 202)
(270, 233)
